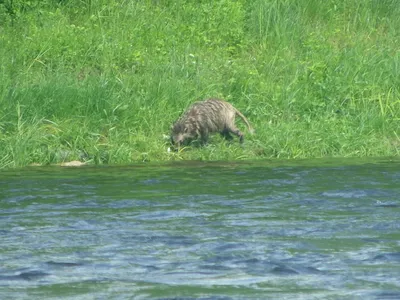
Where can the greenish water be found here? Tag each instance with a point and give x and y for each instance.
(262, 230)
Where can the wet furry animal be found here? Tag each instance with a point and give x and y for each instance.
(204, 118)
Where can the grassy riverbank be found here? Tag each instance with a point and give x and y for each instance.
(102, 81)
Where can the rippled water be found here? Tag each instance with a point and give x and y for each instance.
(263, 230)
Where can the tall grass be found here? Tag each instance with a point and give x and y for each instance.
(102, 81)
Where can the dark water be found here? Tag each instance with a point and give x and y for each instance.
(315, 230)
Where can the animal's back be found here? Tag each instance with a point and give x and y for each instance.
(218, 113)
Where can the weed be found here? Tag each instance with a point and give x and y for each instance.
(102, 81)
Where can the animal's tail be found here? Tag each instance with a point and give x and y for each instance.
(251, 129)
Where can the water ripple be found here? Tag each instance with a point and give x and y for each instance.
(202, 232)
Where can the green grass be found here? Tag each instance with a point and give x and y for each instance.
(102, 81)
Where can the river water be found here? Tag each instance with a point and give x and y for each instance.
(196, 230)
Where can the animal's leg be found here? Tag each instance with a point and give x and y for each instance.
(225, 133)
(236, 132)
(204, 137)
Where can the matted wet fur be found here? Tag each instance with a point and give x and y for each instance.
(204, 118)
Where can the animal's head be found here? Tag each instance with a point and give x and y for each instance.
(179, 134)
